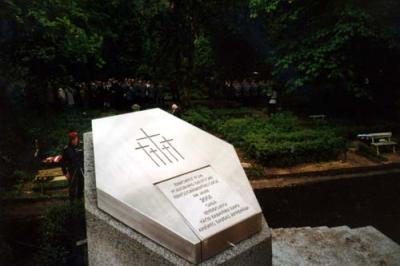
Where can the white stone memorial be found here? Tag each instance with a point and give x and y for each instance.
(174, 183)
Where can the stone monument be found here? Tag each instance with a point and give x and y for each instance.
(177, 185)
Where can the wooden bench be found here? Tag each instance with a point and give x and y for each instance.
(46, 175)
(317, 117)
(381, 139)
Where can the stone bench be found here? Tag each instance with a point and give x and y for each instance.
(380, 139)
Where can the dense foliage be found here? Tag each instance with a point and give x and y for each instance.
(338, 55)
(48, 44)
(280, 140)
(336, 46)
(340, 45)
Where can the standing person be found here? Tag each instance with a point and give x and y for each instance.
(161, 93)
(273, 101)
(173, 85)
(62, 96)
(83, 95)
(175, 110)
(50, 95)
(125, 89)
(245, 88)
(70, 97)
(72, 166)
(236, 89)
(157, 93)
(227, 89)
(253, 88)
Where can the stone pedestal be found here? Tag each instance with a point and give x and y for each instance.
(111, 242)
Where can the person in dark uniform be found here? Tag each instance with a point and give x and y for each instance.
(72, 166)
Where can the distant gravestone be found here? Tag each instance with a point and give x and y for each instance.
(174, 183)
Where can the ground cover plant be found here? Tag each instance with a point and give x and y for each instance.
(279, 140)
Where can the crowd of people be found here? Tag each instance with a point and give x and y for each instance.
(248, 90)
(123, 94)
(119, 94)
(246, 87)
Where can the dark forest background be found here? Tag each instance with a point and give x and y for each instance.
(337, 57)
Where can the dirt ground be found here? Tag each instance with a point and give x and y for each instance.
(19, 228)
(352, 160)
(303, 180)
(275, 177)
(26, 209)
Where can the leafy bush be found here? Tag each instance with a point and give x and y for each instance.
(210, 119)
(232, 112)
(201, 117)
(234, 129)
(52, 131)
(286, 153)
(281, 140)
(283, 122)
(22, 175)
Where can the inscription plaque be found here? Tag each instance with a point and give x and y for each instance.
(206, 201)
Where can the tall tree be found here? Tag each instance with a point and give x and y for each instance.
(330, 44)
(46, 43)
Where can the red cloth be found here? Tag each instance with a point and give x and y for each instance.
(53, 159)
(57, 159)
(72, 134)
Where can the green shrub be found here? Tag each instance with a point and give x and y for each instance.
(289, 153)
(235, 129)
(200, 117)
(283, 122)
(281, 140)
(22, 175)
(232, 112)
(210, 119)
(52, 130)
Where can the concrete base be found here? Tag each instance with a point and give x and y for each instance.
(333, 246)
(111, 242)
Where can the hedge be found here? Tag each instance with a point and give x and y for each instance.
(280, 140)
